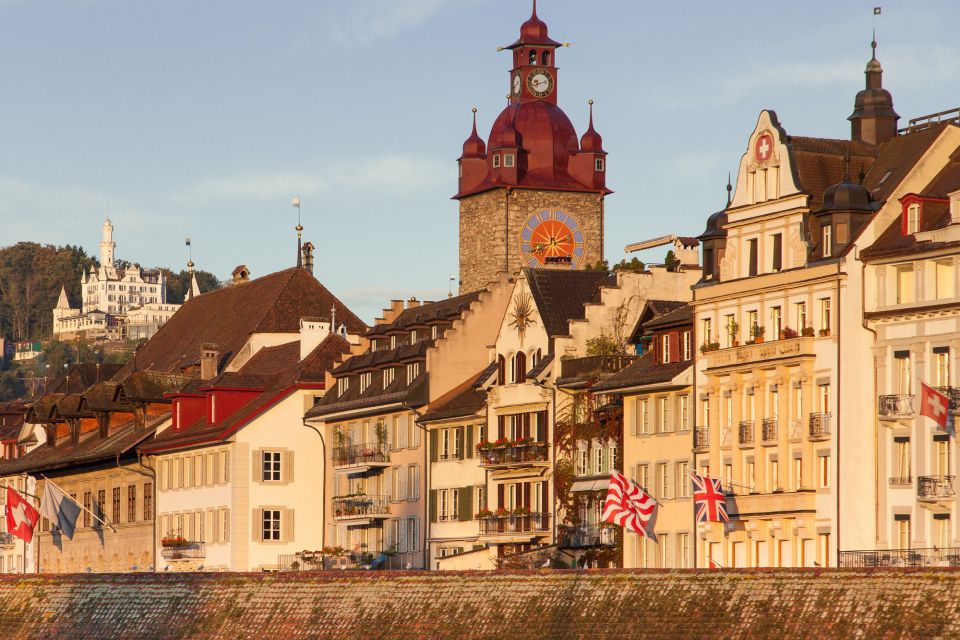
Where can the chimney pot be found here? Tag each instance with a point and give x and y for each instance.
(209, 360)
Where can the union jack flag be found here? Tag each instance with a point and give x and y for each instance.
(628, 506)
(709, 499)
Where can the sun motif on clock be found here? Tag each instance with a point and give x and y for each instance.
(551, 239)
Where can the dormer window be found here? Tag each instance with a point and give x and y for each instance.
(827, 240)
(599, 164)
(433, 332)
(413, 370)
(365, 379)
(342, 385)
(665, 349)
(496, 160)
(388, 374)
(413, 337)
(508, 159)
(913, 218)
(393, 342)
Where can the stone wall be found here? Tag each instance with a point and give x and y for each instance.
(785, 603)
(490, 225)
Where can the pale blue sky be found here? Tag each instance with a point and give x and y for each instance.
(204, 118)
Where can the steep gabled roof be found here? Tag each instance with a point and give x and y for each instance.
(227, 317)
(463, 401)
(561, 294)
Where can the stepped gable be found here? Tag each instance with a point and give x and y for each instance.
(227, 317)
(561, 294)
(412, 317)
(273, 371)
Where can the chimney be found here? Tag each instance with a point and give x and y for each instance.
(313, 331)
(413, 303)
(209, 358)
(241, 274)
(954, 207)
(307, 251)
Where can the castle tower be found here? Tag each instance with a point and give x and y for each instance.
(873, 120)
(107, 245)
(533, 195)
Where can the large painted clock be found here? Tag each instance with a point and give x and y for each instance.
(552, 238)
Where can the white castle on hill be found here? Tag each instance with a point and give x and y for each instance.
(129, 303)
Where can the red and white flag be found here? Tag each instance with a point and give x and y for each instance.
(934, 405)
(629, 506)
(22, 517)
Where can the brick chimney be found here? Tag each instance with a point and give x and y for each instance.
(307, 251)
(209, 359)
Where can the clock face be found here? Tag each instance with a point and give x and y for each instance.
(516, 85)
(552, 238)
(540, 82)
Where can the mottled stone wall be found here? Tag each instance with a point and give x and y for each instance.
(490, 225)
(784, 603)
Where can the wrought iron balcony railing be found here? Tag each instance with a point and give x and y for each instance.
(511, 455)
(361, 454)
(745, 433)
(7, 539)
(769, 430)
(533, 522)
(900, 404)
(360, 506)
(926, 557)
(187, 551)
(585, 536)
(701, 438)
(953, 393)
(819, 426)
(935, 487)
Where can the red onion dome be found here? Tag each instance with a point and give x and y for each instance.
(543, 131)
(591, 140)
(474, 147)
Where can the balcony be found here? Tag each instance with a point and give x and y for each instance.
(819, 426)
(592, 366)
(953, 393)
(934, 488)
(7, 539)
(585, 536)
(768, 432)
(361, 457)
(935, 557)
(745, 433)
(513, 455)
(184, 551)
(701, 439)
(901, 482)
(510, 527)
(802, 346)
(895, 407)
(771, 504)
(361, 507)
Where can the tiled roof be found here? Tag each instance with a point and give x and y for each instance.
(151, 386)
(819, 163)
(79, 377)
(814, 604)
(896, 158)
(644, 371)
(463, 401)
(540, 367)
(561, 294)
(410, 395)
(227, 317)
(682, 314)
(427, 313)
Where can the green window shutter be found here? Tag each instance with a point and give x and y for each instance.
(434, 444)
(468, 440)
(466, 504)
(461, 444)
(433, 504)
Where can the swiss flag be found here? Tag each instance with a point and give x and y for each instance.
(22, 517)
(934, 405)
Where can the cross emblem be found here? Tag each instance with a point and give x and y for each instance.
(936, 404)
(764, 147)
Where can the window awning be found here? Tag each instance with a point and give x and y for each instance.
(590, 485)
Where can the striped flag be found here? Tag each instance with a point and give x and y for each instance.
(629, 506)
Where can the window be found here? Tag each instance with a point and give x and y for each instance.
(683, 479)
(442, 504)
(545, 57)
(901, 459)
(825, 316)
(663, 481)
(776, 322)
(582, 462)
(413, 370)
(905, 293)
(944, 276)
(773, 483)
(665, 425)
(598, 460)
(87, 506)
(686, 345)
(730, 325)
(705, 412)
(827, 245)
(520, 367)
(271, 466)
(598, 164)
(904, 375)
(941, 530)
(434, 331)
(801, 312)
(913, 218)
(643, 476)
(365, 379)
(454, 504)
(115, 512)
(501, 370)
(797, 473)
(393, 342)
(752, 321)
(706, 329)
(148, 501)
(665, 348)
(271, 524)
(533, 57)
(645, 416)
(823, 471)
(342, 385)
(901, 523)
(941, 357)
(388, 376)
(413, 534)
(683, 550)
(684, 413)
(508, 159)
(413, 482)
(942, 455)
(132, 503)
(752, 248)
(496, 160)
(777, 252)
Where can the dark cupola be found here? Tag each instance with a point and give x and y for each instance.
(847, 208)
(873, 120)
(714, 240)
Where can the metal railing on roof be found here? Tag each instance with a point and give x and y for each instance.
(927, 121)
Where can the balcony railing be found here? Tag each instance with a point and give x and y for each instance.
(318, 561)
(935, 557)
(745, 433)
(900, 404)
(534, 522)
(514, 455)
(934, 487)
(582, 367)
(188, 551)
(361, 455)
(360, 506)
(7, 539)
(819, 426)
(801, 346)
(585, 536)
(953, 393)
(701, 438)
(769, 430)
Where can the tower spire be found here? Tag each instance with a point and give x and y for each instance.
(729, 189)
(873, 120)
(299, 229)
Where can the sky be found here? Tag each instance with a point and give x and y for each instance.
(204, 118)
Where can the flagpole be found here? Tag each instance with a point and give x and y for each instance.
(67, 495)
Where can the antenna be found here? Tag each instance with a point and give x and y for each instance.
(189, 244)
(299, 228)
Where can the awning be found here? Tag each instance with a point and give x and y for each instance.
(590, 485)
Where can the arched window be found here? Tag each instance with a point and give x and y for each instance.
(537, 358)
(545, 58)
(521, 367)
(501, 370)
(533, 57)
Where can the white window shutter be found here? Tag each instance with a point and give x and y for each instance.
(225, 526)
(286, 526)
(256, 465)
(257, 526)
(668, 490)
(286, 469)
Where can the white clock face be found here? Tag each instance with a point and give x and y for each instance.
(516, 84)
(540, 82)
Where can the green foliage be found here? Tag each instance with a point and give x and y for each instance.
(671, 262)
(11, 386)
(604, 345)
(179, 283)
(629, 265)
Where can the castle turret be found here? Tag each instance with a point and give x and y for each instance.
(107, 245)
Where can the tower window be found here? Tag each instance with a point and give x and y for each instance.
(496, 160)
(598, 164)
(827, 241)
(545, 58)
(508, 159)
(533, 57)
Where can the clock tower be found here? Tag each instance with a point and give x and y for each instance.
(532, 195)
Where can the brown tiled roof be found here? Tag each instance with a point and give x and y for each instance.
(105, 397)
(152, 386)
(13, 413)
(79, 377)
(654, 309)
(463, 401)
(411, 395)
(561, 294)
(90, 449)
(71, 406)
(372, 360)
(681, 315)
(227, 317)
(427, 313)
(819, 163)
(896, 158)
(644, 371)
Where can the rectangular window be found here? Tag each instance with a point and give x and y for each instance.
(827, 241)
(942, 362)
(598, 460)
(271, 466)
(365, 379)
(643, 476)
(797, 474)
(823, 471)
(644, 416)
(665, 426)
(825, 316)
(683, 550)
(388, 374)
(944, 274)
(913, 218)
(752, 248)
(777, 252)
(342, 385)
(132, 503)
(905, 292)
(686, 345)
(752, 321)
(413, 370)
(115, 512)
(148, 501)
(942, 453)
(683, 479)
(442, 504)
(730, 329)
(582, 462)
(684, 413)
(776, 323)
(904, 373)
(941, 530)
(773, 483)
(271, 524)
(706, 329)
(665, 348)
(901, 458)
(902, 523)
(801, 313)
(508, 159)
(87, 506)
(413, 482)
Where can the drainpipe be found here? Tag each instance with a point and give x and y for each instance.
(425, 440)
(323, 504)
(152, 474)
(839, 396)
(876, 434)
